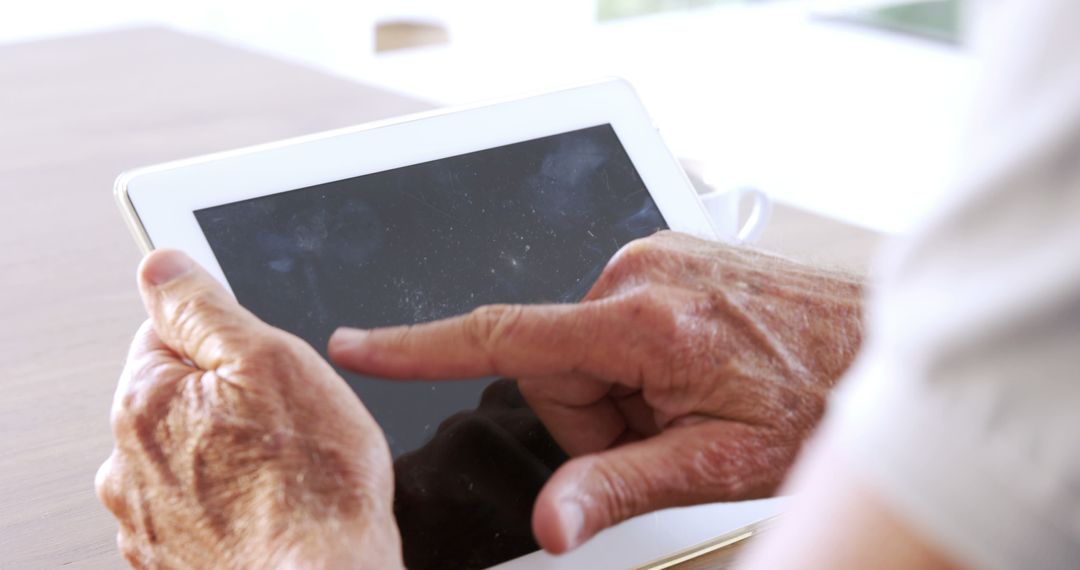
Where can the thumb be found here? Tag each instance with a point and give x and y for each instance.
(191, 312)
(709, 461)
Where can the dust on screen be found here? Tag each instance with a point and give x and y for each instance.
(529, 222)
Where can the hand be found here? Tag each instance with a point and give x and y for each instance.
(691, 372)
(237, 446)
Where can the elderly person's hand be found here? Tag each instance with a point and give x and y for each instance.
(691, 372)
(237, 446)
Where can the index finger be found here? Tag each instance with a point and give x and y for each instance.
(494, 340)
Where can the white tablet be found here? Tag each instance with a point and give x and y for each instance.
(425, 217)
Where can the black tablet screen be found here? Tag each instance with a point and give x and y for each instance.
(528, 222)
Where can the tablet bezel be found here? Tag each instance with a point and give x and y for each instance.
(159, 201)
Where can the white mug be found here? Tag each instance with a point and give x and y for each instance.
(724, 205)
(724, 208)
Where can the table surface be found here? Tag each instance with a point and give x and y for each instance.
(75, 112)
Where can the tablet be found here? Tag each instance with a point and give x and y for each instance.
(425, 217)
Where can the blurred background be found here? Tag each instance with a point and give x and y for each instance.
(847, 108)
(850, 109)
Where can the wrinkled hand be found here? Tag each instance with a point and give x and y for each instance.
(692, 372)
(237, 446)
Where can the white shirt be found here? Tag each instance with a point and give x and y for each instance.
(963, 411)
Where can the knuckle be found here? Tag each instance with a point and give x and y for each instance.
(402, 337)
(146, 376)
(114, 502)
(655, 308)
(661, 334)
(103, 483)
(634, 255)
(108, 486)
(122, 416)
(488, 324)
(666, 240)
(635, 262)
(126, 408)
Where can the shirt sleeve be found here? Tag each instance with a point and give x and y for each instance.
(963, 411)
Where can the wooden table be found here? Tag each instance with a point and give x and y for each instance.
(74, 113)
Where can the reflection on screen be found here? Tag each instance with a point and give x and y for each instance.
(534, 221)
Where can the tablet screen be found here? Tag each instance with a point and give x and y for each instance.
(528, 222)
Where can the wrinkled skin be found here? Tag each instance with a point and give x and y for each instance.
(237, 446)
(691, 372)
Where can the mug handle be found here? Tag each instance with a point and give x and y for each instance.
(759, 214)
